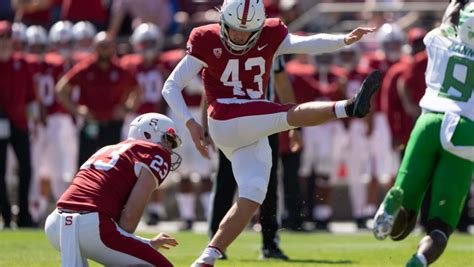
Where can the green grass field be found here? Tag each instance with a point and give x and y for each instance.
(31, 248)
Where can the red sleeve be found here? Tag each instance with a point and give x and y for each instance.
(154, 157)
(196, 44)
(276, 33)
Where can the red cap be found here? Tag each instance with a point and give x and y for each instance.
(5, 27)
(415, 34)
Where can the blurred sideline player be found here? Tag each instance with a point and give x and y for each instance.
(357, 135)
(318, 158)
(19, 37)
(17, 105)
(147, 67)
(55, 141)
(98, 214)
(245, 43)
(380, 168)
(107, 93)
(440, 151)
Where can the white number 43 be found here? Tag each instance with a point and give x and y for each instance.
(230, 76)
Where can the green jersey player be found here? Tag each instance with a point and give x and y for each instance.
(440, 151)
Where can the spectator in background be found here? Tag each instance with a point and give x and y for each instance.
(33, 12)
(18, 37)
(158, 12)
(402, 89)
(16, 98)
(317, 162)
(6, 11)
(94, 11)
(107, 93)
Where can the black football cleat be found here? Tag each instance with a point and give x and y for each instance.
(359, 105)
(273, 253)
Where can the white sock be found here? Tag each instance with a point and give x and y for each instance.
(186, 205)
(422, 258)
(322, 212)
(340, 109)
(205, 198)
(209, 255)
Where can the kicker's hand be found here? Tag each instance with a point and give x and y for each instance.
(357, 34)
(163, 240)
(197, 134)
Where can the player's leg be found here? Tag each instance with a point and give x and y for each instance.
(292, 192)
(4, 202)
(251, 166)
(315, 113)
(68, 143)
(414, 175)
(21, 146)
(450, 187)
(223, 193)
(323, 211)
(108, 244)
(357, 169)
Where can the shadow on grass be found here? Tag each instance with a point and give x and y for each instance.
(308, 261)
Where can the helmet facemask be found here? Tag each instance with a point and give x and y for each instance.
(236, 48)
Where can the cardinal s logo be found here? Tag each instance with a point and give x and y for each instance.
(217, 52)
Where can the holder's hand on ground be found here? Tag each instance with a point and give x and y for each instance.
(163, 240)
(197, 134)
(357, 34)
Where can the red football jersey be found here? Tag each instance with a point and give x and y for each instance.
(400, 122)
(101, 90)
(45, 77)
(170, 59)
(150, 79)
(104, 182)
(235, 76)
(414, 76)
(16, 90)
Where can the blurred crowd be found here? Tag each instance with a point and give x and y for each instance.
(110, 58)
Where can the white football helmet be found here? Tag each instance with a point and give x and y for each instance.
(61, 32)
(159, 129)
(19, 32)
(391, 38)
(147, 36)
(37, 39)
(36, 35)
(466, 25)
(83, 30)
(242, 15)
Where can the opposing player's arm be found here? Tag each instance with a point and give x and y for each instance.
(137, 201)
(320, 43)
(451, 17)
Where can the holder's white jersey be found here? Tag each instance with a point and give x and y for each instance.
(449, 75)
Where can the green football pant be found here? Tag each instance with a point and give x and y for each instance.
(425, 161)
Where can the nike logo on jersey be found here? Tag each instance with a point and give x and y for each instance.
(260, 48)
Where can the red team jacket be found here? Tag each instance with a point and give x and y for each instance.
(104, 182)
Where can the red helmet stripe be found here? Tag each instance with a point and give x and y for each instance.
(246, 12)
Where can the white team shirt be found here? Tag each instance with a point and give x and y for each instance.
(449, 76)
